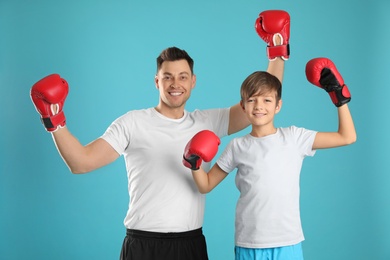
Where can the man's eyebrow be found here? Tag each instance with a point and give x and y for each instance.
(180, 73)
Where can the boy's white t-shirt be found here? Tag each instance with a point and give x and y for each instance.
(268, 174)
(163, 195)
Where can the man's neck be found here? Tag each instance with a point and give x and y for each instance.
(174, 113)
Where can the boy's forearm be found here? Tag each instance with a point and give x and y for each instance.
(346, 125)
(276, 68)
(201, 180)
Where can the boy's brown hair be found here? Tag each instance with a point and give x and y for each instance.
(260, 82)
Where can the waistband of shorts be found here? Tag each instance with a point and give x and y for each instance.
(148, 234)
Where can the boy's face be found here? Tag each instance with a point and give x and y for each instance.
(261, 109)
(175, 81)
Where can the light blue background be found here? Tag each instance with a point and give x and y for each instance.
(106, 50)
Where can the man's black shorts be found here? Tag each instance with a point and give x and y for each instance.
(145, 245)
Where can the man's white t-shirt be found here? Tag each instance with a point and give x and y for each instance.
(163, 195)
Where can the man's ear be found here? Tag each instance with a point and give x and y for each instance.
(193, 81)
(156, 81)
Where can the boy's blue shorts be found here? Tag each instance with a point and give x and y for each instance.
(293, 252)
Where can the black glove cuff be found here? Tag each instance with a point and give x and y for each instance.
(192, 160)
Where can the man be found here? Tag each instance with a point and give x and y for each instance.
(165, 215)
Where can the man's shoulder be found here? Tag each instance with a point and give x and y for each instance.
(208, 111)
(143, 111)
(132, 114)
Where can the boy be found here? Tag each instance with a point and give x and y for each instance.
(269, 161)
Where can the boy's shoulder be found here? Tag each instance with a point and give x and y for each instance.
(292, 129)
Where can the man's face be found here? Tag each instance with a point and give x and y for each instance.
(175, 81)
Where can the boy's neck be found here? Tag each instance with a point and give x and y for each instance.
(261, 131)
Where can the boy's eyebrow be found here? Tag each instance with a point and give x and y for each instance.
(268, 95)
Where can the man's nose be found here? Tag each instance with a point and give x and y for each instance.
(173, 84)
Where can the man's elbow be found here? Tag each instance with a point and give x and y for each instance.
(78, 170)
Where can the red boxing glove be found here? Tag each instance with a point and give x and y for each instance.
(203, 146)
(48, 96)
(274, 23)
(323, 73)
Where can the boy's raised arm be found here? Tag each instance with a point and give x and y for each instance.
(322, 73)
(273, 26)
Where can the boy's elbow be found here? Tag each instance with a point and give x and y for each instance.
(354, 138)
(204, 190)
(351, 140)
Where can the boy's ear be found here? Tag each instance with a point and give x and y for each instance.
(242, 105)
(279, 106)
